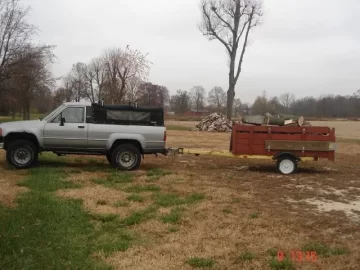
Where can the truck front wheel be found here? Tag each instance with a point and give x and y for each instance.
(286, 165)
(22, 154)
(108, 157)
(126, 157)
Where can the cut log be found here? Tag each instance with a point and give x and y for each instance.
(254, 119)
(275, 121)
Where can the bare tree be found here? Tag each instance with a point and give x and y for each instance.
(197, 94)
(287, 100)
(180, 103)
(78, 81)
(89, 85)
(43, 100)
(217, 97)
(33, 74)
(134, 91)
(15, 34)
(153, 95)
(121, 66)
(237, 106)
(260, 105)
(230, 22)
(97, 66)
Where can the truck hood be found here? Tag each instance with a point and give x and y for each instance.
(21, 125)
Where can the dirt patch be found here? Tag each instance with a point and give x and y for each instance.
(351, 209)
(9, 190)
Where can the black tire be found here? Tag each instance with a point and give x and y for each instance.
(22, 154)
(286, 165)
(126, 153)
(108, 157)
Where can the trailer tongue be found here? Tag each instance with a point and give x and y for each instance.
(285, 145)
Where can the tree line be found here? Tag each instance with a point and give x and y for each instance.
(327, 106)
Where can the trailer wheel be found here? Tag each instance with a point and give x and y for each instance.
(286, 165)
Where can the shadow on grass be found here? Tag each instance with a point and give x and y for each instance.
(85, 164)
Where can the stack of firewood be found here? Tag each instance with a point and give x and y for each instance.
(215, 122)
(275, 120)
(219, 123)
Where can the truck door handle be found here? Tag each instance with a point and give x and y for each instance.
(81, 126)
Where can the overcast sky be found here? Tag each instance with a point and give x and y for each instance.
(307, 47)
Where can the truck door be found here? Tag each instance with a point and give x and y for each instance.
(68, 134)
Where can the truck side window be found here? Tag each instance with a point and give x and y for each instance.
(89, 115)
(71, 115)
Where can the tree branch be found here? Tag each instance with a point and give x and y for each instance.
(244, 48)
(211, 29)
(222, 19)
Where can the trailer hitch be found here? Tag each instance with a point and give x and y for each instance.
(174, 151)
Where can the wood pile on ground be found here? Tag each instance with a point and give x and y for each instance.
(214, 122)
(219, 123)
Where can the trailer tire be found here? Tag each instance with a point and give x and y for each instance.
(286, 165)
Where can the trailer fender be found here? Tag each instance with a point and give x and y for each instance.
(286, 154)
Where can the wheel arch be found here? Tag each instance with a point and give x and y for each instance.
(118, 142)
(15, 136)
(286, 154)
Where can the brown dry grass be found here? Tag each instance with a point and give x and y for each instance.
(8, 183)
(284, 220)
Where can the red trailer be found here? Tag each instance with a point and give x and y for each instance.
(283, 144)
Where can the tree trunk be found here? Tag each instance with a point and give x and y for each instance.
(24, 112)
(28, 110)
(230, 101)
(231, 90)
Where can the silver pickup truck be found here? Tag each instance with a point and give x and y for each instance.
(123, 133)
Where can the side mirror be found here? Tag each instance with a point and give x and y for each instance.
(62, 121)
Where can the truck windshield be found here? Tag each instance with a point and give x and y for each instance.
(53, 113)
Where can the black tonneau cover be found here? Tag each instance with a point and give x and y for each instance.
(127, 115)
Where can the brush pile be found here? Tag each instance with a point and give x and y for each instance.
(214, 123)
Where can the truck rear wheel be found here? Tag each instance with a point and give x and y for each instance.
(22, 154)
(126, 157)
(286, 165)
